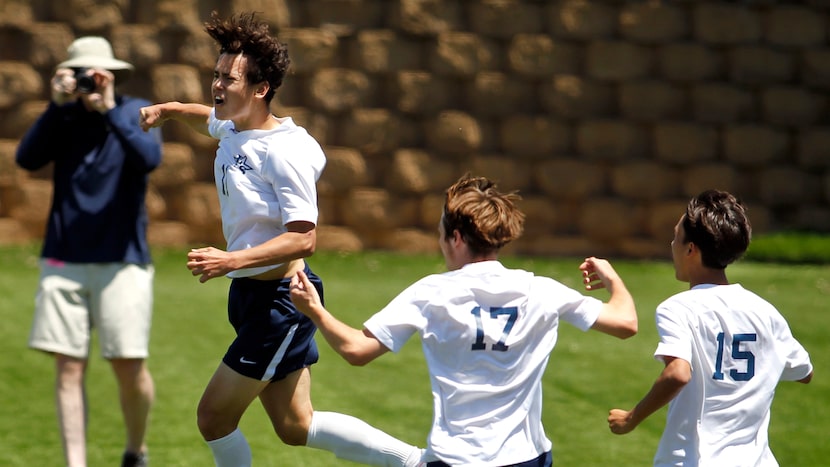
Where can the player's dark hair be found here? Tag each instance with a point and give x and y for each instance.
(243, 33)
(717, 223)
(486, 218)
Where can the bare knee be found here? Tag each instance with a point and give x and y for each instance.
(207, 421)
(70, 370)
(292, 425)
(288, 404)
(133, 376)
(214, 423)
(291, 432)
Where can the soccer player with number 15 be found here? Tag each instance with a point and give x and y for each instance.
(724, 349)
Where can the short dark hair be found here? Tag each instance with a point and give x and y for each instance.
(244, 33)
(486, 218)
(716, 221)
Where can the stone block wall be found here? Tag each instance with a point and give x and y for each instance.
(606, 115)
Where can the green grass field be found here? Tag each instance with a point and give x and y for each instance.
(589, 372)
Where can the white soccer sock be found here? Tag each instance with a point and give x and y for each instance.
(353, 439)
(231, 450)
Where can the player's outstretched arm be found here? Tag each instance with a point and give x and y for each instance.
(674, 377)
(193, 115)
(619, 315)
(355, 346)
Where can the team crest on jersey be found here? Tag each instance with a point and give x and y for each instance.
(240, 161)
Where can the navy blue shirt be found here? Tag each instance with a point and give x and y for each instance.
(102, 166)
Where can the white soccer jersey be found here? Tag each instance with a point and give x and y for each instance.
(265, 179)
(487, 333)
(739, 347)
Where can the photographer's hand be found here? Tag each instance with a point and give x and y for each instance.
(102, 99)
(63, 86)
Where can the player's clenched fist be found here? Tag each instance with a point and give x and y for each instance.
(619, 421)
(150, 117)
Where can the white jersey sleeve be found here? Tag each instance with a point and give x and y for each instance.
(797, 364)
(674, 331)
(218, 128)
(574, 308)
(294, 179)
(401, 318)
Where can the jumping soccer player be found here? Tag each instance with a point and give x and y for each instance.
(266, 170)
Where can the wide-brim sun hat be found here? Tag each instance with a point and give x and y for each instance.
(96, 52)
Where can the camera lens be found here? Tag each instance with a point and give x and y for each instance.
(85, 84)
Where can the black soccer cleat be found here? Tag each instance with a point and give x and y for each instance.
(132, 459)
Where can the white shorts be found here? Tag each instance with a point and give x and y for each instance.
(73, 298)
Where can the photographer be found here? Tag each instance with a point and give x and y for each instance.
(96, 270)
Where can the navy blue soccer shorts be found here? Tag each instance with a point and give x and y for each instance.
(545, 460)
(273, 339)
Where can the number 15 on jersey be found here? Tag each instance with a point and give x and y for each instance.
(738, 353)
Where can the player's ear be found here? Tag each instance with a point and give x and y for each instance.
(262, 89)
(457, 237)
(691, 248)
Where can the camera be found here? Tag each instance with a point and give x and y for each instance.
(85, 84)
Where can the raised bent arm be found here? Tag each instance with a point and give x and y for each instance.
(619, 315)
(193, 115)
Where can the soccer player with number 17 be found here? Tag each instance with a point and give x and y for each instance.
(724, 349)
(487, 331)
